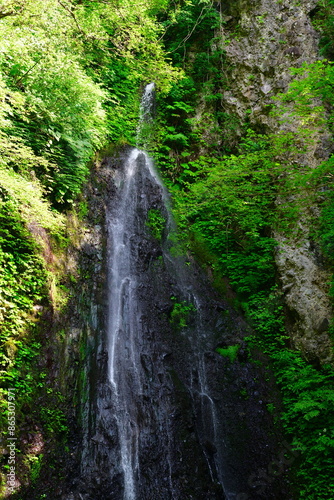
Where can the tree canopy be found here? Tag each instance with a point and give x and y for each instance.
(67, 69)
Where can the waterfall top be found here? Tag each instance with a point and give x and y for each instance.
(146, 115)
(147, 104)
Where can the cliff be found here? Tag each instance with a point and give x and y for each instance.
(261, 41)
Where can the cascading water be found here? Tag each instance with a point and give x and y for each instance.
(125, 319)
(164, 420)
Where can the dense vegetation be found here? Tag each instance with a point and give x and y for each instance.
(70, 80)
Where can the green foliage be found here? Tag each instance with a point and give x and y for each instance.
(265, 313)
(191, 24)
(60, 115)
(312, 81)
(190, 39)
(35, 467)
(308, 396)
(230, 352)
(27, 198)
(156, 223)
(227, 203)
(69, 74)
(22, 282)
(83, 209)
(323, 21)
(54, 420)
(180, 314)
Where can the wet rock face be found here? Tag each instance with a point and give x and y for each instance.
(160, 412)
(263, 39)
(201, 422)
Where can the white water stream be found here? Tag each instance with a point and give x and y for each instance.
(124, 328)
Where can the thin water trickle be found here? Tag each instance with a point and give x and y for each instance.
(145, 121)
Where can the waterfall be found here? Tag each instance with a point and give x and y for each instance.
(125, 328)
(163, 418)
(122, 329)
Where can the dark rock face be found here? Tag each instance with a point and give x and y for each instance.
(197, 425)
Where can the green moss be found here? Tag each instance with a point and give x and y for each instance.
(230, 352)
